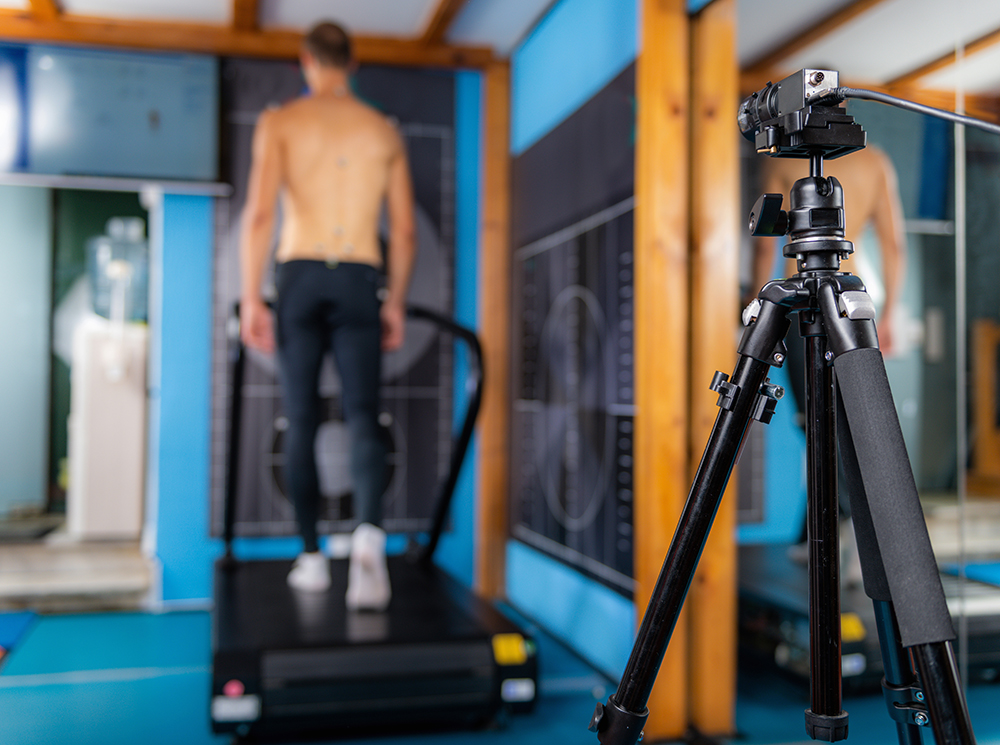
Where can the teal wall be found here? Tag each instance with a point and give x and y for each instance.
(456, 552)
(180, 389)
(575, 50)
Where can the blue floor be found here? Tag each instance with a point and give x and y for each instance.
(143, 679)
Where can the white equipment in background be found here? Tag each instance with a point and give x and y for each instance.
(107, 430)
(107, 419)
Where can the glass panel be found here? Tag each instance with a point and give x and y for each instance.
(25, 286)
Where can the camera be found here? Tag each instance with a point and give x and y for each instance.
(799, 117)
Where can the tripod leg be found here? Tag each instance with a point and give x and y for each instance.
(898, 528)
(825, 719)
(903, 697)
(939, 675)
(620, 720)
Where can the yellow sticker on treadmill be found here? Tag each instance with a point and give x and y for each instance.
(852, 628)
(509, 649)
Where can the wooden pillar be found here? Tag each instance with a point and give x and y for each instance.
(715, 243)
(661, 327)
(494, 327)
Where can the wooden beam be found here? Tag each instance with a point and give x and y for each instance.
(661, 329)
(444, 14)
(809, 36)
(980, 106)
(226, 41)
(244, 15)
(45, 10)
(914, 76)
(494, 326)
(715, 259)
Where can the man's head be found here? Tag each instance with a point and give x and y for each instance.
(329, 46)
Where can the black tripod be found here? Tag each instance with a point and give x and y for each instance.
(848, 405)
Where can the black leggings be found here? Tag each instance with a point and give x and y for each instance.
(330, 307)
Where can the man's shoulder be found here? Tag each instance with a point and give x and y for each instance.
(365, 109)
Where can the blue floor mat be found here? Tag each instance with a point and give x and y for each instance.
(131, 678)
(145, 678)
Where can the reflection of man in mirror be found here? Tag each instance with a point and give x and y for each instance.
(334, 162)
(871, 199)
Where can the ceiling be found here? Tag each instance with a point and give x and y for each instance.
(923, 48)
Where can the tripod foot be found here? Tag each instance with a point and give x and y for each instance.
(616, 726)
(826, 728)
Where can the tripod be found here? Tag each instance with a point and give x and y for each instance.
(848, 407)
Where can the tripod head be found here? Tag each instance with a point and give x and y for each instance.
(792, 119)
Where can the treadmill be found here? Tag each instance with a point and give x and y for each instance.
(774, 620)
(287, 663)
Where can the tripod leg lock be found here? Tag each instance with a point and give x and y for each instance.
(763, 408)
(906, 704)
(767, 400)
(826, 728)
(727, 391)
(616, 726)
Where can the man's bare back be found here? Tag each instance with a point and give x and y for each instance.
(336, 155)
(332, 161)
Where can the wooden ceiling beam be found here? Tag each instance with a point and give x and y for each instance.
(985, 41)
(772, 60)
(976, 105)
(437, 27)
(226, 40)
(244, 15)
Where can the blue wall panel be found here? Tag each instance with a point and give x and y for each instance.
(455, 552)
(182, 397)
(595, 621)
(574, 51)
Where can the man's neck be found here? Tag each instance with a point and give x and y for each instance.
(332, 83)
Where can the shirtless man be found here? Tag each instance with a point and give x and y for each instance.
(333, 161)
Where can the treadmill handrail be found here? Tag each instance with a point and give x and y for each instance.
(460, 444)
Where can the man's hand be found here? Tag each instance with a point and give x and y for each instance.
(886, 338)
(257, 325)
(393, 326)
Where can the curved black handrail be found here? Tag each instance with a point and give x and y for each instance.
(460, 443)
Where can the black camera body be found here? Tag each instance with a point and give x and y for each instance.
(791, 119)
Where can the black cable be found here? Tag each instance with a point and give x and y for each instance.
(842, 93)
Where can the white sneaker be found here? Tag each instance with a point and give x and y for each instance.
(310, 573)
(368, 576)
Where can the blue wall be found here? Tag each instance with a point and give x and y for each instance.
(573, 52)
(180, 396)
(456, 552)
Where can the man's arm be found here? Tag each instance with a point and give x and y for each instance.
(888, 220)
(257, 229)
(778, 179)
(402, 249)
